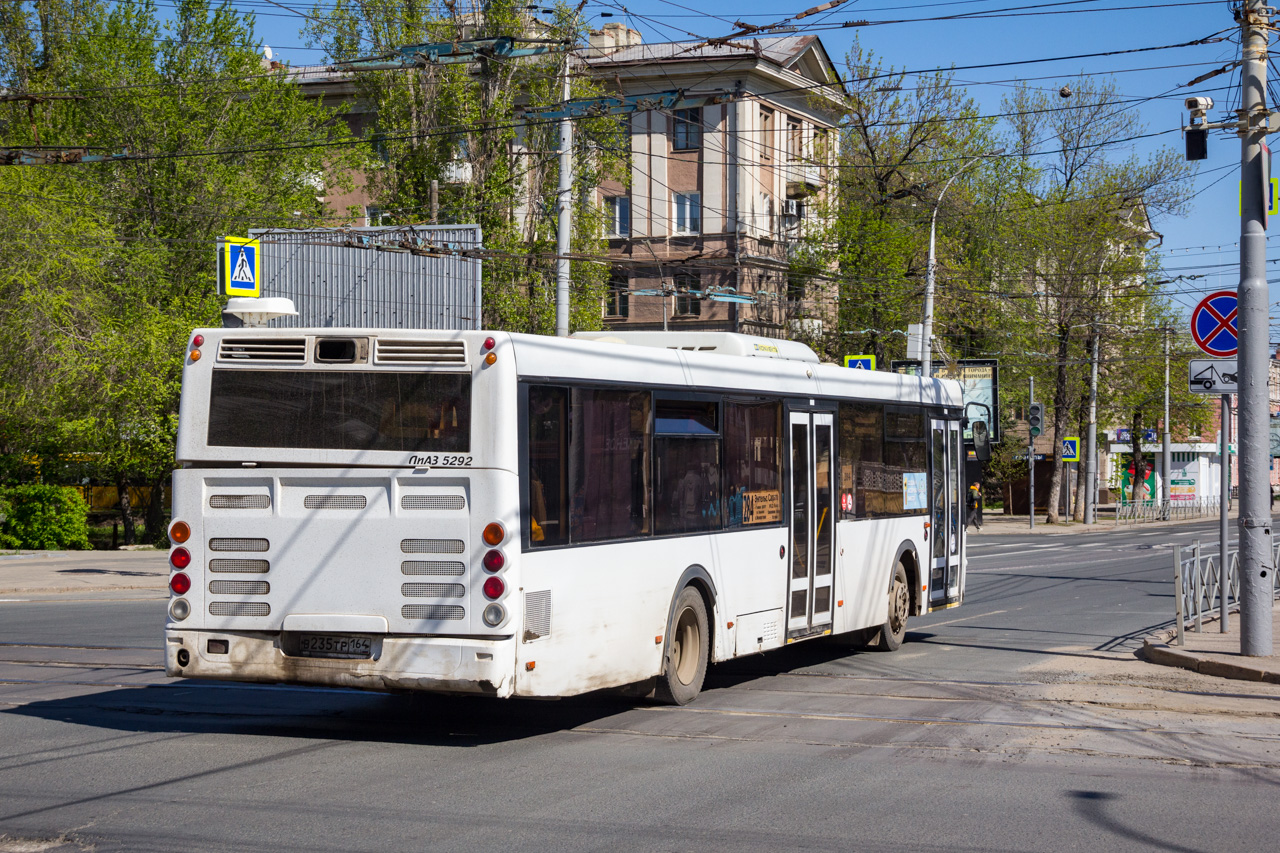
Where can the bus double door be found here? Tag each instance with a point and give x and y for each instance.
(947, 508)
(813, 523)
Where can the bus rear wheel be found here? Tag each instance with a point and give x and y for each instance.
(895, 627)
(688, 648)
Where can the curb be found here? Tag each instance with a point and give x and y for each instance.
(1159, 653)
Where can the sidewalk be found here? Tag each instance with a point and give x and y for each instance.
(995, 523)
(1212, 652)
(32, 572)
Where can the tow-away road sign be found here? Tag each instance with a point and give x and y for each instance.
(1213, 376)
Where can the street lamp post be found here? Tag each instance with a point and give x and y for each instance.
(926, 358)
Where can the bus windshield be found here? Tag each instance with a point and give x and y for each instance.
(341, 410)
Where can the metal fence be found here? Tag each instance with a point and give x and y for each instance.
(1134, 512)
(1200, 585)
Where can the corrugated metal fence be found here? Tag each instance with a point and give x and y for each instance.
(396, 277)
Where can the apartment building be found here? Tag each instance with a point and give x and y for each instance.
(720, 194)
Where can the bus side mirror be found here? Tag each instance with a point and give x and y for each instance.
(981, 441)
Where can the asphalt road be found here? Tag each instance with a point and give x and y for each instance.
(1019, 722)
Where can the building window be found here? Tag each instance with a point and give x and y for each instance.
(795, 142)
(688, 213)
(617, 211)
(617, 301)
(688, 295)
(374, 216)
(766, 136)
(686, 130)
(765, 214)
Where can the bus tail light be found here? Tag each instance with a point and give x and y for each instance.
(179, 610)
(180, 584)
(494, 615)
(197, 341)
(489, 343)
(494, 587)
(493, 561)
(494, 533)
(180, 532)
(180, 557)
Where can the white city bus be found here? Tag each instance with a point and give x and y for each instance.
(516, 515)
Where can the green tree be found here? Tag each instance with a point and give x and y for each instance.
(220, 145)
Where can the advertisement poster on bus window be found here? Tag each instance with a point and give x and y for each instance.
(980, 380)
(915, 490)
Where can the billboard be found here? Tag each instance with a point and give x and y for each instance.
(393, 277)
(980, 380)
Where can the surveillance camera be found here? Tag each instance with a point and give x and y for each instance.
(1199, 104)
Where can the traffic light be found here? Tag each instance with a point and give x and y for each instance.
(1035, 418)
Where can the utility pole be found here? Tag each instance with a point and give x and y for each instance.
(1254, 521)
(1224, 507)
(1166, 454)
(564, 222)
(1031, 460)
(1091, 445)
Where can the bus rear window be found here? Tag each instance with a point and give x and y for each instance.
(345, 410)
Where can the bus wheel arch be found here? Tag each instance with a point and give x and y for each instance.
(689, 641)
(909, 558)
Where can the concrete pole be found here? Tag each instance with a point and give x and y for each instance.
(1253, 321)
(1091, 441)
(564, 223)
(1166, 454)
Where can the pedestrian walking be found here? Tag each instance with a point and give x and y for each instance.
(974, 504)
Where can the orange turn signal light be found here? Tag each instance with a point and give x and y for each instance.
(494, 533)
(195, 355)
(179, 531)
(490, 358)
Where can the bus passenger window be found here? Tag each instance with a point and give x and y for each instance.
(752, 463)
(608, 464)
(686, 451)
(548, 500)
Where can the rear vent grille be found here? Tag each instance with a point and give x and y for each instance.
(433, 590)
(387, 351)
(334, 501)
(431, 567)
(537, 614)
(238, 544)
(240, 567)
(263, 349)
(239, 587)
(432, 611)
(433, 502)
(240, 501)
(430, 546)
(240, 608)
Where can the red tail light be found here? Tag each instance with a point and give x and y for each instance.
(493, 561)
(180, 557)
(494, 587)
(180, 584)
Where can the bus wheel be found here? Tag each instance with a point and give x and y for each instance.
(895, 627)
(687, 651)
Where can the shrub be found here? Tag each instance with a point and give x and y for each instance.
(44, 518)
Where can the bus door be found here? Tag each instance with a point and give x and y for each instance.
(947, 508)
(813, 524)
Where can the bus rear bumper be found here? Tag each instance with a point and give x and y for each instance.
(436, 664)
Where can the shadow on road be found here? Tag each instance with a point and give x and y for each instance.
(193, 706)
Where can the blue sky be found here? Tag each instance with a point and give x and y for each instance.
(1204, 242)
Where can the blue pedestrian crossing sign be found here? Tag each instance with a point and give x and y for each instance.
(1071, 449)
(239, 271)
(860, 362)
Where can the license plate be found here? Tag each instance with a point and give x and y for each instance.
(334, 646)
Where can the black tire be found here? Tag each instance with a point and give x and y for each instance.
(688, 649)
(895, 627)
